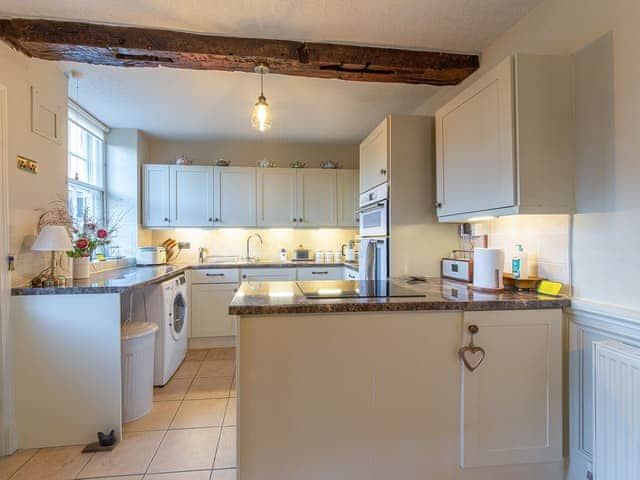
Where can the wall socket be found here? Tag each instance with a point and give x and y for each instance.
(184, 245)
(27, 164)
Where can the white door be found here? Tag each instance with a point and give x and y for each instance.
(374, 157)
(191, 196)
(276, 197)
(156, 196)
(317, 197)
(235, 197)
(512, 403)
(475, 153)
(209, 305)
(348, 190)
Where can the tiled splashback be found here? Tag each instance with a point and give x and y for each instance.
(546, 238)
(232, 241)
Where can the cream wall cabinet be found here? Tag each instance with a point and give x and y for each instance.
(234, 197)
(317, 197)
(348, 197)
(374, 157)
(512, 403)
(503, 145)
(277, 197)
(156, 210)
(191, 196)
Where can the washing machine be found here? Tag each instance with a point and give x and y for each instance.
(167, 305)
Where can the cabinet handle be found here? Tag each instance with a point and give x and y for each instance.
(244, 276)
(300, 220)
(383, 171)
(216, 220)
(214, 274)
(438, 205)
(472, 356)
(295, 219)
(210, 219)
(319, 273)
(166, 219)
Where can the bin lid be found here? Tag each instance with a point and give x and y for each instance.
(131, 330)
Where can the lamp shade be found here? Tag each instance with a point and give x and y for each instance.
(53, 238)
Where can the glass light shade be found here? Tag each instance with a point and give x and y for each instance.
(53, 238)
(261, 115)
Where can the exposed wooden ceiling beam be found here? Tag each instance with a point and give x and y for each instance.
(147, 47)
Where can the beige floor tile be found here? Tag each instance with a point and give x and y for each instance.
(230, 414)
(192, 449)
(200, 413)
(198, 475)
(132, 456)
(176, 389)
(227, 353)
(159, 418)
(226, 454)
(11, 463)
(227, 474)
(60, 463)
(196, 355)
(209, 387)
(128, 477)
(217, 368)
(187, 369)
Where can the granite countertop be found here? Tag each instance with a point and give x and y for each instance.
(124, 279)
(273, 298)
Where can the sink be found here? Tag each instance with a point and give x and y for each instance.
(223, 259)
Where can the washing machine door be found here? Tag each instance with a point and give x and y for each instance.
(178, 316)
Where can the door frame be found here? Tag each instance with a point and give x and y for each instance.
(7, 412)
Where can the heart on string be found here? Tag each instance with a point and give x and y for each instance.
(472, 356)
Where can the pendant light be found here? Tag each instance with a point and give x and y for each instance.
(261, 115)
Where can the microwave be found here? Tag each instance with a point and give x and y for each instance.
(374, 212)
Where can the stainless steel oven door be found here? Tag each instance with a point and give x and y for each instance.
(374, 220)
(374, 259)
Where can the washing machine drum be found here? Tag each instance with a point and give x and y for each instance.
(179, 316)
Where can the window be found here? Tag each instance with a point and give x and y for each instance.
(85, 166)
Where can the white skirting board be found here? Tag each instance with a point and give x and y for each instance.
(616, 411)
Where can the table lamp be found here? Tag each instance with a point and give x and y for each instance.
(52, 238)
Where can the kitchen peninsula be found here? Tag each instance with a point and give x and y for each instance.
(373, 388)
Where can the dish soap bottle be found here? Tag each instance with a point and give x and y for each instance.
(520, 263)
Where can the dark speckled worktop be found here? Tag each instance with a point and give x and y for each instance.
(277, 298)
(125, 279)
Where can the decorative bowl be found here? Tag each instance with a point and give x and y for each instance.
(297, 164)
(223, 163)
(264, 163)
(182, 160)
(328, 164)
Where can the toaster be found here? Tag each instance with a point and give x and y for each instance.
(460, 269)
(151, 256)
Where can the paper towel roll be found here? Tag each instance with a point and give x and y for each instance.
(488, 268)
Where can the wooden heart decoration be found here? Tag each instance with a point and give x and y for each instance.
(472, 356)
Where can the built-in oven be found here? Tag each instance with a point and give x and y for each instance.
(374, 259)
(374, 212)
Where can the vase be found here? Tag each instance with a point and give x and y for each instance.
(80, 268)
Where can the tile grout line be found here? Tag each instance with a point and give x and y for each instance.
(224, 416)
(26, 461)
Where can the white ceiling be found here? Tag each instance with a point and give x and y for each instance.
(205, 105)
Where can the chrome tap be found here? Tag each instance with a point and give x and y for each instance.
(249, 243)
(201, 255)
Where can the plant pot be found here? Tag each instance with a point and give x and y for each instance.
(80, 268)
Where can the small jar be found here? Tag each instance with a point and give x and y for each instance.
(328, 257)
(319, 256)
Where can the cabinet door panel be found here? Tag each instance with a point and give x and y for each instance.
(268, 274)
(317, 198)
(476, 146)
(276, 197)
(348, 188)
(374, 157)
(209, 304)
(320, 273)
(191, 196)
(512, 403)
(235, 197)
(156, 196)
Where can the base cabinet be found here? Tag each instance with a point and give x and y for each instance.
(209, 305)
(511, 408)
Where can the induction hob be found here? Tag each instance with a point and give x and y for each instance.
(354, 289)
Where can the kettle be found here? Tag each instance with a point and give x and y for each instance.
(349, 251)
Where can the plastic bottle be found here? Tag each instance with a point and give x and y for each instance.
(520, 263)
(283, 255)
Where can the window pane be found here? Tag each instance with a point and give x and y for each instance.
(86, 156)
(82, 199)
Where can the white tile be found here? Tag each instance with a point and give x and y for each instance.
(191, 449)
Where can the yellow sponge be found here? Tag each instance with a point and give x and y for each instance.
(546, 287)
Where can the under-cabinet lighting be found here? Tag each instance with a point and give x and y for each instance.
(329, 291)
(480, 219)
(281, 294)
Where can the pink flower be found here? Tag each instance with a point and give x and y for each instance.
(102, 233)
(82, 243)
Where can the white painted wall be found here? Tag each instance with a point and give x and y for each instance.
(248, 153)
(607, 222)
(28, 192)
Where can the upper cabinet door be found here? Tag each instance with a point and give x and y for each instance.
(155, 196)
(191, 196)
(348, 183)
(235, 197)
(317, 198)
(276, 197)
(374, 157)
(475, 138)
